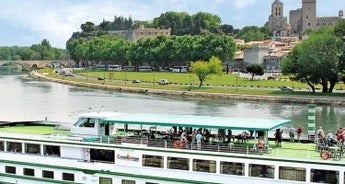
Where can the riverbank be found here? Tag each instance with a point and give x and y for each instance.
(287, 98)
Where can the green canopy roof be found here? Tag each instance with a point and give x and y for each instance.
(197, 121)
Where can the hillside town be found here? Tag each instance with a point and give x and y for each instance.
(286, 35)
(269, 53)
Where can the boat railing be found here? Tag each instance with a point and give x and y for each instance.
(177, 144)
(247, 147)
(122, 140)
(212, 147)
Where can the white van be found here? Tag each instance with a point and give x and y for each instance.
(163, 82)
(181, 69)
(115, 68)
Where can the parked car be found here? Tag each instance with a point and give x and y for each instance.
(271, 77)
(69, 74)
(100, 78)
(136, 81)
(163, 82)
(286, 88)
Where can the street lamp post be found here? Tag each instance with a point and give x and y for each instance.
(125, 78)
(154, 80)
(87, 75)
(236, 82)
(190, 82)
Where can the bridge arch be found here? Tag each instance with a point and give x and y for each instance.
(37, 64)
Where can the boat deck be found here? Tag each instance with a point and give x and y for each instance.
(303, 150)
(33, 129)
(287, 149)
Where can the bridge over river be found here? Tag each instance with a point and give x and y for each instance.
(36, 64)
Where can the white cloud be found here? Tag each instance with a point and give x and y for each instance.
(57, 20)
(242, 4)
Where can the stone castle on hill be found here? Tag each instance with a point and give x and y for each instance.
(141, 32)
(300, 19)
(286, 35)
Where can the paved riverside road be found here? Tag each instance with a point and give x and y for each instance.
(298, 99)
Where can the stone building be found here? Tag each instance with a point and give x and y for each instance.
(276, 21)
(267, 53)
(141, 32)
(300, 19)
(305, 18)
(255, 54)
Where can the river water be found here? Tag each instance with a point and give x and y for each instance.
(24, 98)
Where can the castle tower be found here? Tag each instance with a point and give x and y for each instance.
(277, 9)
(276, 21)
(309, 19)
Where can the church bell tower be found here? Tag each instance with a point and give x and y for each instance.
(277, 9)
(308, 14)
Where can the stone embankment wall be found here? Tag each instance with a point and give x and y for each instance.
(320, 100)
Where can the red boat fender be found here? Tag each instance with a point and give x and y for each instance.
(325, 155)
(178, 144)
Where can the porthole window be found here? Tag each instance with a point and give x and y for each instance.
(68, 176)
(29, 172)
(10, 169)
(48, 174)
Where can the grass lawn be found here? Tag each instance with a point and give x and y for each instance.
(185, 81)
(296, 150)
(33, 130)
(187, 78)
(288, 149)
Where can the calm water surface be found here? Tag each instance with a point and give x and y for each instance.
(24, 98)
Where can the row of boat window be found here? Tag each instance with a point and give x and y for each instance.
(45, 173)
(30, 148)
(285, 173)
(65, 176)
(199, 165)
(236, 168)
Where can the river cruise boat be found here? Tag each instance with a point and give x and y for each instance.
(141, 148)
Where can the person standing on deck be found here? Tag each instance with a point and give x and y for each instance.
(183, 135)
(229, 136)
(292, 134)
(193, 136)
(320, 133)
(340, 136)
(329, 138)
(299, 132)
(198, 138)
(278, 137)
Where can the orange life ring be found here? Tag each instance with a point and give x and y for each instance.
(325, 155)
(178, 144)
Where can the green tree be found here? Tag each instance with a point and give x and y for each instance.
(44, 50)
(254, 33)
(316, 60)
(45, 43)
(105, 25)
(205, 68)
(181, 23)
(76, 48)
(173, 20)
(88, 27)
(208, 22)
(255, 69)
(339, 31)
(34, 52)
(227, 29)
(28, 54)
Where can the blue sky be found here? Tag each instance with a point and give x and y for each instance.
(27, 22)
